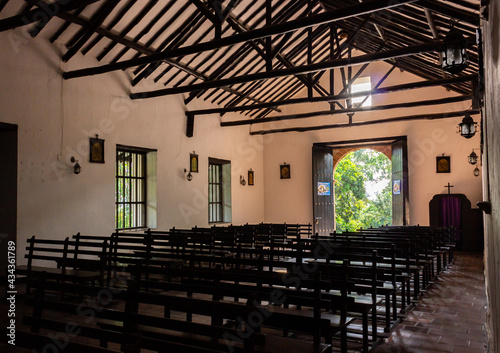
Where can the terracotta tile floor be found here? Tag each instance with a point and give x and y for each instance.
(449, 317)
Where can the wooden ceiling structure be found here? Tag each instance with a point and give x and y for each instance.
(255, 56)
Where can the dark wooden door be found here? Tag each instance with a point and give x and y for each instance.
(400, 189)
(323, 190)
(8, 187)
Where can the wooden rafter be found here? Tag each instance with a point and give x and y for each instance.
(42, 14)
(345, 62)
(281, 28)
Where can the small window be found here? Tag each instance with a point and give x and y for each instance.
(360, 85)
(219, 191)
(133, 197)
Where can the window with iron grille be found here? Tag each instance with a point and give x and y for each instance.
(131, 188)
(219, 191)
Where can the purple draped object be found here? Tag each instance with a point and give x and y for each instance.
(450, 212)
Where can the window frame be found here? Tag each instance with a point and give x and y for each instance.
(219, 184)
(139, 174)
(362, 81)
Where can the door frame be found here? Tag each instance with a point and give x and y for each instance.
(369, 143)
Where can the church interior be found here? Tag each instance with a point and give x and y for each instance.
(168, 175)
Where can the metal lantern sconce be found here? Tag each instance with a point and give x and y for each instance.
(189, 176)
(454, 53)
(242, 180)
(467, 128)
(76, 167)
(476, 171)
(472, 158)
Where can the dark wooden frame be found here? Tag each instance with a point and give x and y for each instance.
(94, 156)
(251, 176)
(285, 172)
(193, 163)
(443, 170)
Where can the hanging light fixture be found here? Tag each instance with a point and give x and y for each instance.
(476, 171)
(454, 53)
(472, 158)
(467, 128)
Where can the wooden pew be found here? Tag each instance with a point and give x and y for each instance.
(135, 329)
(52, 257)
(249, 276)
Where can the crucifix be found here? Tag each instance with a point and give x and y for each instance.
(449, 187)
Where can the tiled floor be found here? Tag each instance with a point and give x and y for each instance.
(449, 317)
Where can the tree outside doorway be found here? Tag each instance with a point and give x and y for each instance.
(363, 195)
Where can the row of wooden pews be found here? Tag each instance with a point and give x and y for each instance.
(345, 291)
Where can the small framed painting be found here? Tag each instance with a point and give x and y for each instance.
(443, 164)
(96, 153)
(323, 188)
(285, 171)
(250, 177)
(193, 163)
(396, 187)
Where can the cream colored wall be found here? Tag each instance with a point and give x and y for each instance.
(291, 200)
(56, 118)
(491, 33)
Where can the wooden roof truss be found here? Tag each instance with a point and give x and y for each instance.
(253, 57)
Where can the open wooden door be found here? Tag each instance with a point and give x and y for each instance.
(400, 189)
(323, 191)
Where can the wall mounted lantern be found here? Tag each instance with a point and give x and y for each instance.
(189, 176)
(467, 128)
(76, 167)
(472, 158)
(242, 180)
(476, 171)
(454, 53)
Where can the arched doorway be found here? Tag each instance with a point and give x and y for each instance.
(325, 156)
(363, 189)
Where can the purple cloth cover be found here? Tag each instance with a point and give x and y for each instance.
(450, 214)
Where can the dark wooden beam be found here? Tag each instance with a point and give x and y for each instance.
(158, 17)
(205, 10)
(268, 54)
(96, 21)
(332, 98)
(190, 126)
(130, 44)
(3, 3)
(360, 141)
(43, 14)
(424, 103)
(329, 64)
(280, 28)
(452, 12)
(433, 116)
(117, 18)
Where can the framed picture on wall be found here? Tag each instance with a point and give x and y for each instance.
(285, 171)
(443, 164)
(96, 153)
(250, 177)
(193, 163)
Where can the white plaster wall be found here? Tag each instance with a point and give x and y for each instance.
(291, 200)
(56, 118)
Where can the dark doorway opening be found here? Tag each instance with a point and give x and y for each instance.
(8, 187)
